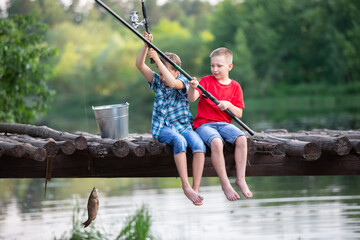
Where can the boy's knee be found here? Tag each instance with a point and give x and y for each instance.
(241, 142)
(216, 144)
(179, 144)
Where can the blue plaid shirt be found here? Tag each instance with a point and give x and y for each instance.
(171, 107)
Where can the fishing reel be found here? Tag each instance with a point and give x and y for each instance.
(134, 17)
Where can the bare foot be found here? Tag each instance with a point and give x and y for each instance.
(244, 187)
(193, 195)
(198, 203)
(230, 193)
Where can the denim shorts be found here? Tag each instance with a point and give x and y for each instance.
(225, 131)
(181, 142)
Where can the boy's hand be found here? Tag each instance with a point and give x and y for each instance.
(223, 105)
(153, 54)
(148, 36)
(194, 83)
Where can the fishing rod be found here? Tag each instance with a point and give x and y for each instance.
(150, 44)
(134, 16)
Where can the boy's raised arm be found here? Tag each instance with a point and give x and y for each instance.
(140, 61)
(193, 94)
(169, 79)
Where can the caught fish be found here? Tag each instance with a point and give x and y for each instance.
(92, 207)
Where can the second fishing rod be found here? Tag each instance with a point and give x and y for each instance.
(150, 44)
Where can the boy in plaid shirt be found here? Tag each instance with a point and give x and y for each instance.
(171, 118)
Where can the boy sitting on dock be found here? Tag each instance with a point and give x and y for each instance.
(171, 118)
(214, 125)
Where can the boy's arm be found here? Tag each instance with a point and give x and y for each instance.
(169, 79)
(223, 105)
(193, 94)
(140, 61)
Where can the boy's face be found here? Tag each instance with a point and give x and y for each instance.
(173, 72)
(220, 67)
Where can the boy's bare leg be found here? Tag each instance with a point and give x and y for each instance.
(198, 168)
(181, 165)
(240, 160)
(218, 161)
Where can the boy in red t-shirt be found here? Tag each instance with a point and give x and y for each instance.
(214, 125)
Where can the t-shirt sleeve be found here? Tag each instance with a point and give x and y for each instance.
(185, 81)
(238, 99)
(155, 83)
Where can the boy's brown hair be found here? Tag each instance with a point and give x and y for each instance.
(175, 58)
(223, 52)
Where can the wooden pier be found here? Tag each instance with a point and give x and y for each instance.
(28, 151)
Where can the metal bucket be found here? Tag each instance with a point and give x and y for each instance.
(112, 120)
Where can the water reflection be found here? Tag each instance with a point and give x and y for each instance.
(283, 208)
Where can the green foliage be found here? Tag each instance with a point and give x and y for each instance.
(292, 41)
(137, 226)
(78, 232)
(24, 69)
(280, 48)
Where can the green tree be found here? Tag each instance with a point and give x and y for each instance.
(24, 69)
(292, 42)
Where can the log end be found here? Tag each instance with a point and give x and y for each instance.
(154, 147)
(312, 152)
(68, 147)
(51, 148)
(120, 148)
(139, 151)
(342, 146)
(81, 143)
(40, 154)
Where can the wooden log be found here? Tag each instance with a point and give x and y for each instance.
(353, 136)
(136, 149)
(97, 149)
(251, 148)
(13, 150)
(333, 145)
(120, 148)
(67, 147)
(31, 152)
(273, 149)
(333, 132)
(272, 131)
(152, 146)
(43, 132)
(355, 146)
(50, 145)
(306, 150)
(35, 153)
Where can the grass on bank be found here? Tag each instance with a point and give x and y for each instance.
(136, 226)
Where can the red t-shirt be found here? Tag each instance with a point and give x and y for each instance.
(207, 110)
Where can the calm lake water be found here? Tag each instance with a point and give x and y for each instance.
(326, 207)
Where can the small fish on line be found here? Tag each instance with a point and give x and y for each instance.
(92, 207)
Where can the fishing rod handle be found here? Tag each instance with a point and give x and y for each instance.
(146, 23)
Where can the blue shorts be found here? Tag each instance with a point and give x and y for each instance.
(225, 131)
(181, 142)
